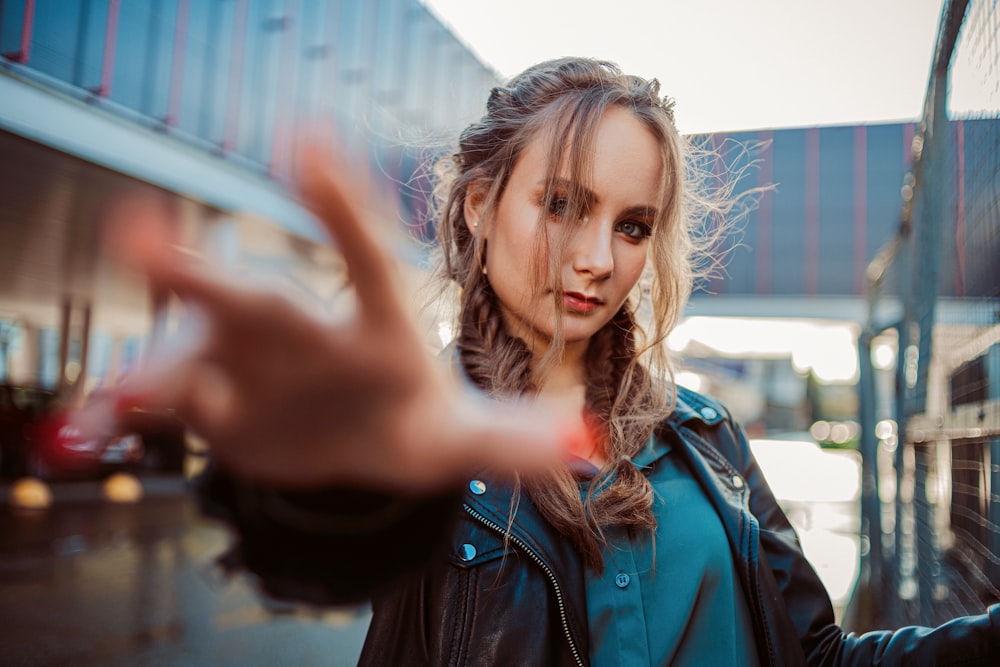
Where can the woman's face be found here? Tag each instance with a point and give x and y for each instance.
(605, 255)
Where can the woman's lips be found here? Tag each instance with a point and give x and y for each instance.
(575, 302)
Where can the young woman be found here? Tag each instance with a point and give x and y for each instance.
(552, 499)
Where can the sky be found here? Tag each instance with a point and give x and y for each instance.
(730, 64)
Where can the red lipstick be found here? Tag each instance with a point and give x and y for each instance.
(576, 302)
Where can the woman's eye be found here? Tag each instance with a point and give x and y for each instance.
(635, 230)
(558, 207)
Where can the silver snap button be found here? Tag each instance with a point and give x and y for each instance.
(467, 552)
(737, 482)
(709, 413)
(621, 581)
(477, 486)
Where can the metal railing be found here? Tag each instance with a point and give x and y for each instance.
(930, 382)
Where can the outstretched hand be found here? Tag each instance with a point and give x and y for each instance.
(287, 399)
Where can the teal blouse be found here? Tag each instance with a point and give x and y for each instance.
(675, 598)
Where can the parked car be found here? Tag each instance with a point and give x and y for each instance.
(58, 449)
(142, 441)
(39, 436)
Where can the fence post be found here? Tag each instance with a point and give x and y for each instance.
(867, 605)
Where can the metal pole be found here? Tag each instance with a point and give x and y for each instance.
(867, 605)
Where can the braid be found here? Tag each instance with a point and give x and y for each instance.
(618, 388)
(608, 355)
(620, 400)
(495, 361)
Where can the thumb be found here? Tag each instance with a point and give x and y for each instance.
(518, 437)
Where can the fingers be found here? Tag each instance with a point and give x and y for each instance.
(337, 201)
(514, 436)
(200, 393)
(141, 236)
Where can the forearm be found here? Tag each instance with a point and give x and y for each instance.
(970, 641)
(333, 546)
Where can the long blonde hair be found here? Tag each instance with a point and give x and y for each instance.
(629, 386)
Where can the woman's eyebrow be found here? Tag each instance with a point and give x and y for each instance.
(567, 184)
(644, 212)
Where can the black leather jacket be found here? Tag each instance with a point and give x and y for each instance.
(453, 593)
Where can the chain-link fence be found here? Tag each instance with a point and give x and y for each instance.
(930, 380)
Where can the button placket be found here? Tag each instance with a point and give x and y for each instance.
(621, 595)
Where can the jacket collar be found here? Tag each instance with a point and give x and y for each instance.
(692, 405)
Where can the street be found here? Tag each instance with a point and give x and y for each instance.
(91, 582)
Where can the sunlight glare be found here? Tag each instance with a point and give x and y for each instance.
(828, 349)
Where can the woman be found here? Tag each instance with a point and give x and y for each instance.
(637, 528)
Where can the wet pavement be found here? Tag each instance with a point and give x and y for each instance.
(91, 582)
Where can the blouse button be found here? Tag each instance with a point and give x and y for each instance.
(477, 486)
(737, 482)
(621, 581)
(709, 413)
(467, 552)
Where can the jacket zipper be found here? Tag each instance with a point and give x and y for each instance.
(548, 571)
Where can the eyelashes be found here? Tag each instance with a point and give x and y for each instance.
(558, 207)
(635, 229)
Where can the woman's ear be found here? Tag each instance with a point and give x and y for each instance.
(475, 204)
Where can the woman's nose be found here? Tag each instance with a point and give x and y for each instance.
(591, 249)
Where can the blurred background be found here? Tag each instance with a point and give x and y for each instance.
(854, 330)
